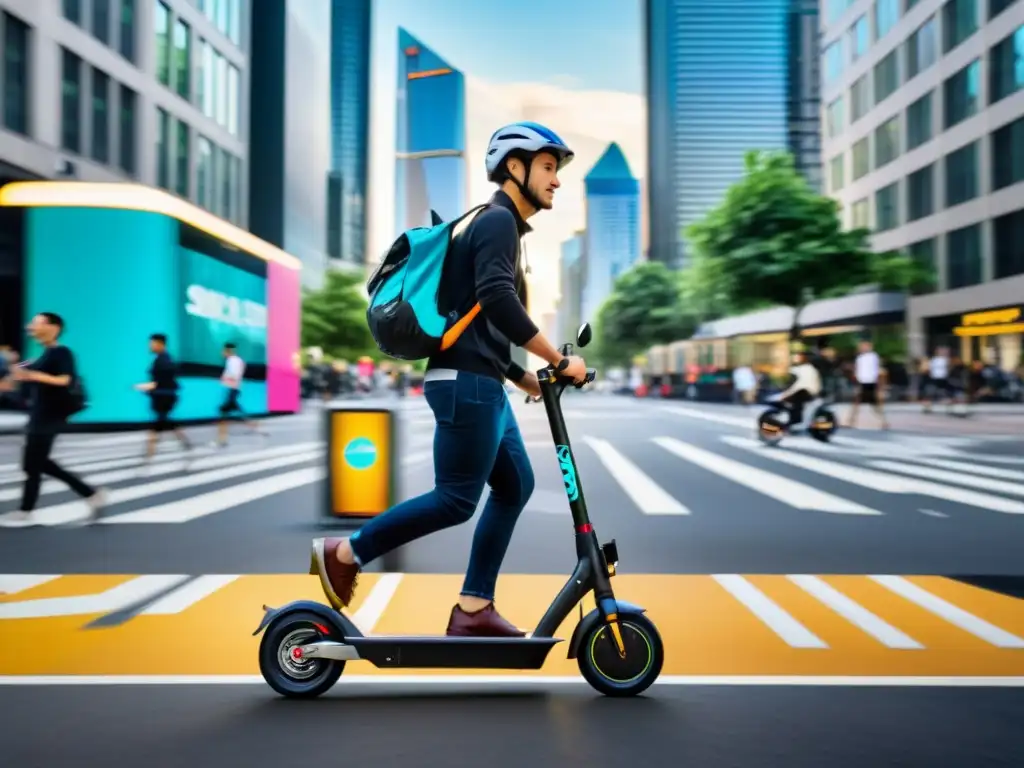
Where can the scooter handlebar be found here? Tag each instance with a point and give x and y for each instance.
(588, 379)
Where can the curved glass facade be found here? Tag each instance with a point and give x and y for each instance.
(430, 137)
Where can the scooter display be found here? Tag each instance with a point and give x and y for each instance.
(775, 423)
(306, 644)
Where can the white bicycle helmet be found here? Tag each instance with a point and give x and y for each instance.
(528, 138)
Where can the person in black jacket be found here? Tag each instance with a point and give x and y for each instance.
(477, 441)
(48, 378)
(162, 388)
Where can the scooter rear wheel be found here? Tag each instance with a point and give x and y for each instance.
(823, 426)
(282, 665)
(770, 428)
(609, 673)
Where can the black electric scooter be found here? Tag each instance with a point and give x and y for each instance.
(618, 649)
(774, 423)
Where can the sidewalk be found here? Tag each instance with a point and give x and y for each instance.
(983, 419)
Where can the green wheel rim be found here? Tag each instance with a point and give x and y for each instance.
(647, 644)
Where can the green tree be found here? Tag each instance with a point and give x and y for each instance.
(334, 317)
(645, 308)
(775, 241)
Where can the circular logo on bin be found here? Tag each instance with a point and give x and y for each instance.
(360, 453)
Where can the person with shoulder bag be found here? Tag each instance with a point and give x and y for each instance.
(56, 393)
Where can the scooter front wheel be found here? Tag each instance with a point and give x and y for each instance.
(770, 428)
(612, 674)
(281, 661)
(823, 426)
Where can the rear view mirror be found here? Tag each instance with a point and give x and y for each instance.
(583, 335)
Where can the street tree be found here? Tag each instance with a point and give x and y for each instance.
(775, 241)
(644, 309)
(334, 317)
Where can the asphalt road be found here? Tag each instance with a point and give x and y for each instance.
(886, 557)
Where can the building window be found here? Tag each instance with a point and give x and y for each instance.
(181, 171)
(163, 149)
(835, 173)
(73, 11)
(223, 183)
(833, 62)
(100, 116)
(887, 13)
(923, 252)
(209, 82)
(222, 90)
(233, 105)
(834, 118)
(963, 257)
(1008, 242)
(860, 37)
(922, 49)
(921, 193)
(1006, 67)
(959, 21)
(126, 39)
(861, 214)
(961, 95)
(995, 7)
(236, 190)
(182, 59)
(861, 159)
(860, 98)
(887, 142)
(835, 9)
(1008, 155)
(15, 74)
(162, 24)
(962, 175)
(919, 122)
(204, 172)
(101, 20)
(127, 130)
(887, 211)
(235, 22)
(887, 77)
(220, 8)
(71, 102)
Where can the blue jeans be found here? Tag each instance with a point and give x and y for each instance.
(477, 442)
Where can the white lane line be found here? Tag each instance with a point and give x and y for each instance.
(114, 599)
(972, 468)
(771, 613)
(968, 622)
(165, 468)
(459, 681)
(187, 595)
(13, 583)
(376, 602)
(855, 613)
(195, 507)
(650, 497)
(782, 489)
(883, 482)
(71, 511)
(928, 473)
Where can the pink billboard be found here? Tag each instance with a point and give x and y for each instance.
(283, 336)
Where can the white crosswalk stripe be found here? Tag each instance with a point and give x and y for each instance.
(839, 478)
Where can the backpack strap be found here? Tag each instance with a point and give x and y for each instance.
(452, 334)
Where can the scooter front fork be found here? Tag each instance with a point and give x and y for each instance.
(611, 615)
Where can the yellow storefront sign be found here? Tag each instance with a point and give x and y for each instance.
(991, 322)
(361, 470)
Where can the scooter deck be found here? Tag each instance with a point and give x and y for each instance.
(443, 652)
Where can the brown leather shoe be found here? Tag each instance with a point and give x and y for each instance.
(486, 622)
(337, 579)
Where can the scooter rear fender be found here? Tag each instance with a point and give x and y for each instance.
(339, 622)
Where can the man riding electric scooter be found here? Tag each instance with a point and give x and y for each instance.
(477, 441)
(802, 397)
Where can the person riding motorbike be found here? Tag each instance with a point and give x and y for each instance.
(805, 389)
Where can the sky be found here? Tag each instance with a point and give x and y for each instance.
(574, 65)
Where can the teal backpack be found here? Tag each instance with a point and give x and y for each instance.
(403, 314)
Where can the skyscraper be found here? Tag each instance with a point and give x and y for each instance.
(613, 226)
(430, 136)
(723, 78)
(289, 129)
(350, 130)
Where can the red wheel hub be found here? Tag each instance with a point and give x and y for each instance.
(297, 653)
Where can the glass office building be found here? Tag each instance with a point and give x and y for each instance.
(722, 79)
(350, 130)
(924, 145)
(430, 137)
